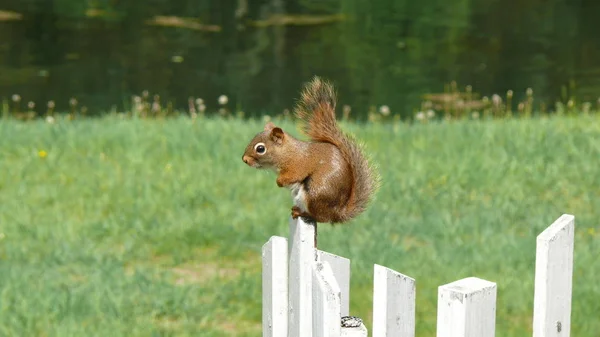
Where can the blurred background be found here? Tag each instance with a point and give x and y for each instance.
(126, 209)
(389, 52)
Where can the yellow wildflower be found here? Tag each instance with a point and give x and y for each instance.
(42, 154)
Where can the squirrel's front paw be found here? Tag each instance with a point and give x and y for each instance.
(296, 212)
(280, 181)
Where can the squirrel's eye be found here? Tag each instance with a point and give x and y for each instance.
(260, 148)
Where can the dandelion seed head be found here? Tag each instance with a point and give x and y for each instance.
(223, 99)
(384, 110)
(496, 99)
(529, 92)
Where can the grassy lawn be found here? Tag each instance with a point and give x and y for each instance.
(116, 227)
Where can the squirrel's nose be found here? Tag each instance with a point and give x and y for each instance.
(245, 159)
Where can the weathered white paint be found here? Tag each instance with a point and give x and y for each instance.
(341, 270)
(394, 296)
(326, 302)
(360, 331)
(553, 279)
(467, 308)
(302, 255)
(275, 287)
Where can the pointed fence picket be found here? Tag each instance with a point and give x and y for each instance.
(306, 292)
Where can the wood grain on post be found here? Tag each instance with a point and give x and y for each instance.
(553, 279)
(302, 256)
(341, 270)
(467, 308)
(275, 287)
(394, 296)
(326, 302)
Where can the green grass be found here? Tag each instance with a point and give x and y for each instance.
(155, 227)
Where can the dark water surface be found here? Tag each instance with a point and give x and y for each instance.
(258, 53)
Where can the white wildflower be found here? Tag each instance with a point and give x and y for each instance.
(384, 110)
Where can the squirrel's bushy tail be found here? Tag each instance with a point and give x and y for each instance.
(316, 108)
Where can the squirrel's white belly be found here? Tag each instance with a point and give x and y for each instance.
(299, 196)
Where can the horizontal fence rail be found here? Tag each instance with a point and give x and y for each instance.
(306, 292)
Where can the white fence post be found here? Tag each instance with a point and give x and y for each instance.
(302, 256)
(275, 287)
(553, 279)
(467, 308)
(394, 298)
(326, 302)
(306, 292)
(341, 270)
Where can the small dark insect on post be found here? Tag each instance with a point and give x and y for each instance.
(558, 326)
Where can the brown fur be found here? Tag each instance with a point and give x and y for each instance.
(337, 178)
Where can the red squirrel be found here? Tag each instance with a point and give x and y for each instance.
(330, 178)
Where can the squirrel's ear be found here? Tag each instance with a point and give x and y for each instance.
(277, 135)
(269, 126)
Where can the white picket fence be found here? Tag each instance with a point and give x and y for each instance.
(306, 292)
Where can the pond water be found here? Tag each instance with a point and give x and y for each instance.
(389, 52)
